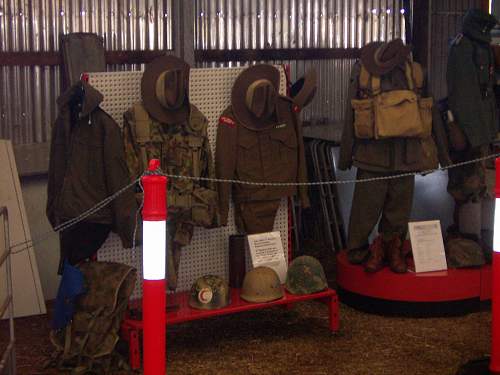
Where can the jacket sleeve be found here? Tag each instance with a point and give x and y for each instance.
(302, 170)
(347, 141)
(225, 164)
(134, 165)
(463, 85)
(124, 207)
(438, 129)
(208, 168)
(57, 169)
(440, 137)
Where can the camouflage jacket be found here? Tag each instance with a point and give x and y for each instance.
(183, 149)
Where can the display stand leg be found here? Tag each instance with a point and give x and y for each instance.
(334, 313)
(134, 350)
(154, 301)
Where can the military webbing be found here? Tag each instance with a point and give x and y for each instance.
(414, 76)
(142, 131)
(89, 340)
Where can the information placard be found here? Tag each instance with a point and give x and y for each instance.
(266, 249)
(427, 246)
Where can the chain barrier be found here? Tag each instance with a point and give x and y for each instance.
(340, 182)
(68, 224)
(138, 212)
(23, 246)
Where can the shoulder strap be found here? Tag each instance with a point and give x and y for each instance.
(142, 124)
(364, 78)
(409, 75)
(197, 121)
(414, 76)
(418, 75)
(364, 81)
(142, 132)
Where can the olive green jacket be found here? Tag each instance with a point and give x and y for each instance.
(394, 154)
(470, 79)
(87, 165)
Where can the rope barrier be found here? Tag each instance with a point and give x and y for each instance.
(25, 245)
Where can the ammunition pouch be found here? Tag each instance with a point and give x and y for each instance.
(399, 114)
(363, 118)
(202, 203)
(183, 233)
(392, 114)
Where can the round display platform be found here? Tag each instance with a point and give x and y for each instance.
(442, 293)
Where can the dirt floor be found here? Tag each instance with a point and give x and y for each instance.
(277, 341)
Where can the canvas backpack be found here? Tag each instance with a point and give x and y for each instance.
(395, 113)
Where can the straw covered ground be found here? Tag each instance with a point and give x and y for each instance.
(277, 341)
(297, 341)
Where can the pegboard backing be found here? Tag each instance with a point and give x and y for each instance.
(210, 90)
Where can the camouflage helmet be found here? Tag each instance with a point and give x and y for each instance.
(305, 276)
(462, 252)
(209, 293)
(262, 284)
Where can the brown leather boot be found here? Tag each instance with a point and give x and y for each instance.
(377, 254)
(397, 262)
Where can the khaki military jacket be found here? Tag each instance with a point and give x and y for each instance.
(271, 155)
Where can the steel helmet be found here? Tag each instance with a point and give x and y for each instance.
(305, 276)
(262, 284)
(209, 293)
(462, 252)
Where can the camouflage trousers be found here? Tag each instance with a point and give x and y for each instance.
(468, 183)
(179, 234)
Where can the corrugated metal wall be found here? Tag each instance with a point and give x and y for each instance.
(447, 17)
(259, 24)
(28, 94)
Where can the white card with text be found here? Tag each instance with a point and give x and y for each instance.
(266, 249)
(427, 246)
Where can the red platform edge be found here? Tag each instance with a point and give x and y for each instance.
(185, 313)
(440, 286)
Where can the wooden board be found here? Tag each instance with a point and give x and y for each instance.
(28, 295)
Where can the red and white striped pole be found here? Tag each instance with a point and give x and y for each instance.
(154, 214)
(495, 296)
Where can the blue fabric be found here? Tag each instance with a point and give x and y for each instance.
(70, 287)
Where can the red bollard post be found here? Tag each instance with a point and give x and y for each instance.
(154, 301)
(495, 295)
